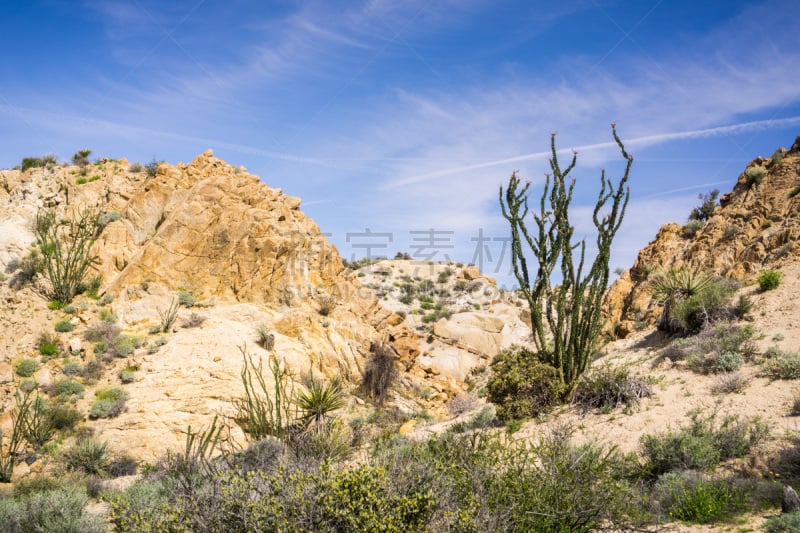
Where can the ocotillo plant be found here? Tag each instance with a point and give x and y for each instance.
(66, 249)
(565, 319)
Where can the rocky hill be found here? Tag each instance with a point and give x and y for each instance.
(756, 225)
(241, 256)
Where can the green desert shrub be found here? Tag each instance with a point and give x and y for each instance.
(87, 455)
(61, 510)
(783, 523)
(63, 417)
(693, 497)
(72, 368)
(64, 326)
(186, 298)
(769, 279)
(109, 403)
(722, 347)
(755, 175)
(127, 375)
(609, 387)
(520, 386)
(47, 343)
(691, 228)
(702, 444)
(783, 365)
(25, 368)
(67, 389)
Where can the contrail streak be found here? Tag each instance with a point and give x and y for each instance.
(639, 141)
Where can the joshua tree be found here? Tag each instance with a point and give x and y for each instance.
(565, 319)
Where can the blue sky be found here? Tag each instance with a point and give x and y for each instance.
(406, 116)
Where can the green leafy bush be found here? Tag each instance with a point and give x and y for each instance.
(769, 279)
(47, 343)
(64, 326)
(25, 368)
(520, 386)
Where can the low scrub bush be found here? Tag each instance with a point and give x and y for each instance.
(25, 368)
(521, 386)
(109, 403)
(769, 279)
(186, 298)
(723, 347)
(691, 228)
(730, 382)
(25, 271)
(608, 387)
(64, 326)
(784, 523)
(755, 175)
(701, 445)
(692, 497)
(47, 344)
(783, 365)
(60, 510)
(72, 368)
(67, 389)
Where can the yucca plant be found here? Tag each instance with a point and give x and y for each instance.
(319, 401)
(672, 286)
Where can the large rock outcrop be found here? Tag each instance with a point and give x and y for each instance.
(756, 225)
(247, 254)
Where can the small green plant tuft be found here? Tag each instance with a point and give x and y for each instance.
(769, 279)
(755, 175)
(186, 298)
(88, 455)
(64, 326)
